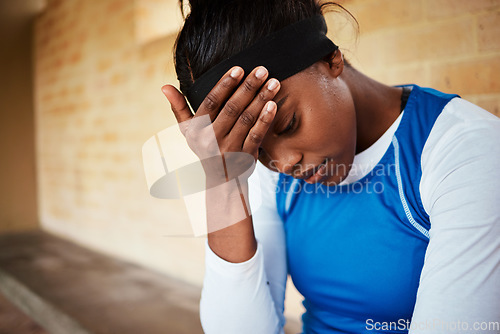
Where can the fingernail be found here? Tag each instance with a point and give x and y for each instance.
(236, 73)
(269, 106)
(273, 83)
(261, 72)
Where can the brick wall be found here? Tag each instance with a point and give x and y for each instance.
(99, 68)
(450, 45)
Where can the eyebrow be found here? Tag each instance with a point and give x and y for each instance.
(278, 106)
(281, 101)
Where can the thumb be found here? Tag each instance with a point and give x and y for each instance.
(178, 103)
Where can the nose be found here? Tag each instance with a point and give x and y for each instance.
(282, 159)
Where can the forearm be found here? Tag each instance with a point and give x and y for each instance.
(230, 229)
(236, 297)
(247, 296)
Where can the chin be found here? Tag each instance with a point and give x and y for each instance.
(336, 172)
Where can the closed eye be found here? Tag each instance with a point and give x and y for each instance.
(290, 125)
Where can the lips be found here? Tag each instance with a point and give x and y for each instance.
(311, 172)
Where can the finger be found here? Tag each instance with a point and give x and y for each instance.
(239, 101)
(178, 103)
(259, 130)
(249, 116)
(212, 103)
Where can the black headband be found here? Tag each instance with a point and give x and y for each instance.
(284, 53)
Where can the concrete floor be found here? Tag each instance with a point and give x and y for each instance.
(14, 321)
(69, 289)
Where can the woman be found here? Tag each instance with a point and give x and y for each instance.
(380, 202)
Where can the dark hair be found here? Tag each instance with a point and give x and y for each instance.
(217, 29)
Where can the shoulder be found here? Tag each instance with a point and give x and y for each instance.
(460, 155)
(459, 111)
(461, 124)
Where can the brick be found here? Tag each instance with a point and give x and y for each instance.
(110, 137)
(437, 9)
(385, 14)
(155, 19)
(75, 58)
(118, 78)
(399, 75)
(490, 103)
(419, 43)
(489, 31)
(115, 7)
(474, 76)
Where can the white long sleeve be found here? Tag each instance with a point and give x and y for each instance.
(249, 297)
(460, 189)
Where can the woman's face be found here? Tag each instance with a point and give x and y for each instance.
(313, 135)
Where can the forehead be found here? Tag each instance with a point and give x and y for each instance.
(297, 85)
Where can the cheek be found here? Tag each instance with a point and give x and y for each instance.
(267, 161)
(333, 123)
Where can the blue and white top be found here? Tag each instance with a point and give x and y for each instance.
(409, 242)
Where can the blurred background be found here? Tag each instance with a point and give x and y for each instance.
(80, 94)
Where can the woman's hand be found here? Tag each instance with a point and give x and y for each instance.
(228, 124)
(226, 133)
